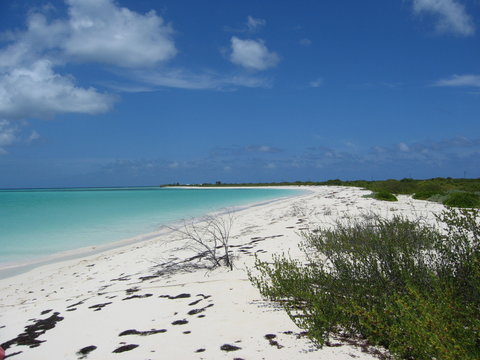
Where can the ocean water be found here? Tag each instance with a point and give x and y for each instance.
(38, 222)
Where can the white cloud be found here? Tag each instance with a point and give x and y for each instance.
(187, 80)
(38, 92)
(403, 147)
(7, 135)
(451, 15)
(262, 149)
(40, 40)
(252, 54)
(316, 83)
(94, 31)
(460, 80)
(102, 32)
(33, 136)
(305, 42)
(253, 24)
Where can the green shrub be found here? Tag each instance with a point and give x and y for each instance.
(463, 200)
(385, 196)
(405, 186)
(439, 198)
(397, 283)
(425, 195)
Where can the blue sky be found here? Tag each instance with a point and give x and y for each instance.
(113, 93)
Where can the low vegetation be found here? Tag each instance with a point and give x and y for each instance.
(436, 189)
(463, 200)
(384, 195)
(400, 284)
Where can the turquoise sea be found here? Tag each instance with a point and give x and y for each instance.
(38, 222)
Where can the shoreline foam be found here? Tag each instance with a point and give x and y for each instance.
(125, 303)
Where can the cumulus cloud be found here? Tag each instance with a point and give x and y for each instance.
(93, 31)
(102, 32)
(451, 16)
(38, 92)
(460, 80)
(39, 40)
(252, 54)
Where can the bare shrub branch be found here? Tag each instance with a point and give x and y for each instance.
(208, 237)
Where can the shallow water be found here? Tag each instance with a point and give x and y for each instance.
(39, 222)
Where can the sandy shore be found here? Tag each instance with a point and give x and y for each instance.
(123, 304)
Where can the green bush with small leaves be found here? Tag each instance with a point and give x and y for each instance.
(398, 283)
(425, 195)
(463, 200)
(385, 196)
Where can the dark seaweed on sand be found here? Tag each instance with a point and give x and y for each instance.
(33, 331)
(125, 348)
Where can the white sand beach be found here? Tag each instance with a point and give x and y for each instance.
(123, 304)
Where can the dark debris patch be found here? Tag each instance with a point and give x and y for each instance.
(299, 335)
(332, 344)
(228, 347)
(83, 352)
(204, 296)
(122, 278)
(195, 302)
(46, 312)
(180, 322)
(75, 305)
(99, 307)
(148, 277)
(199, 350)
(132, 290)
(179, 296)
(142, 333)
(198, 311)
(272, 342)
(137, 296)
(33, 331)
(125, 348)
(13, 354)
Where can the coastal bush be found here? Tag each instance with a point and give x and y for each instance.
(463, 200)
(385, 196)
(438, 198)
(404, 186)
(398, 283)
(425, 195)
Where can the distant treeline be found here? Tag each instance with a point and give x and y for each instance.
(404, 186)
(449, 191)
